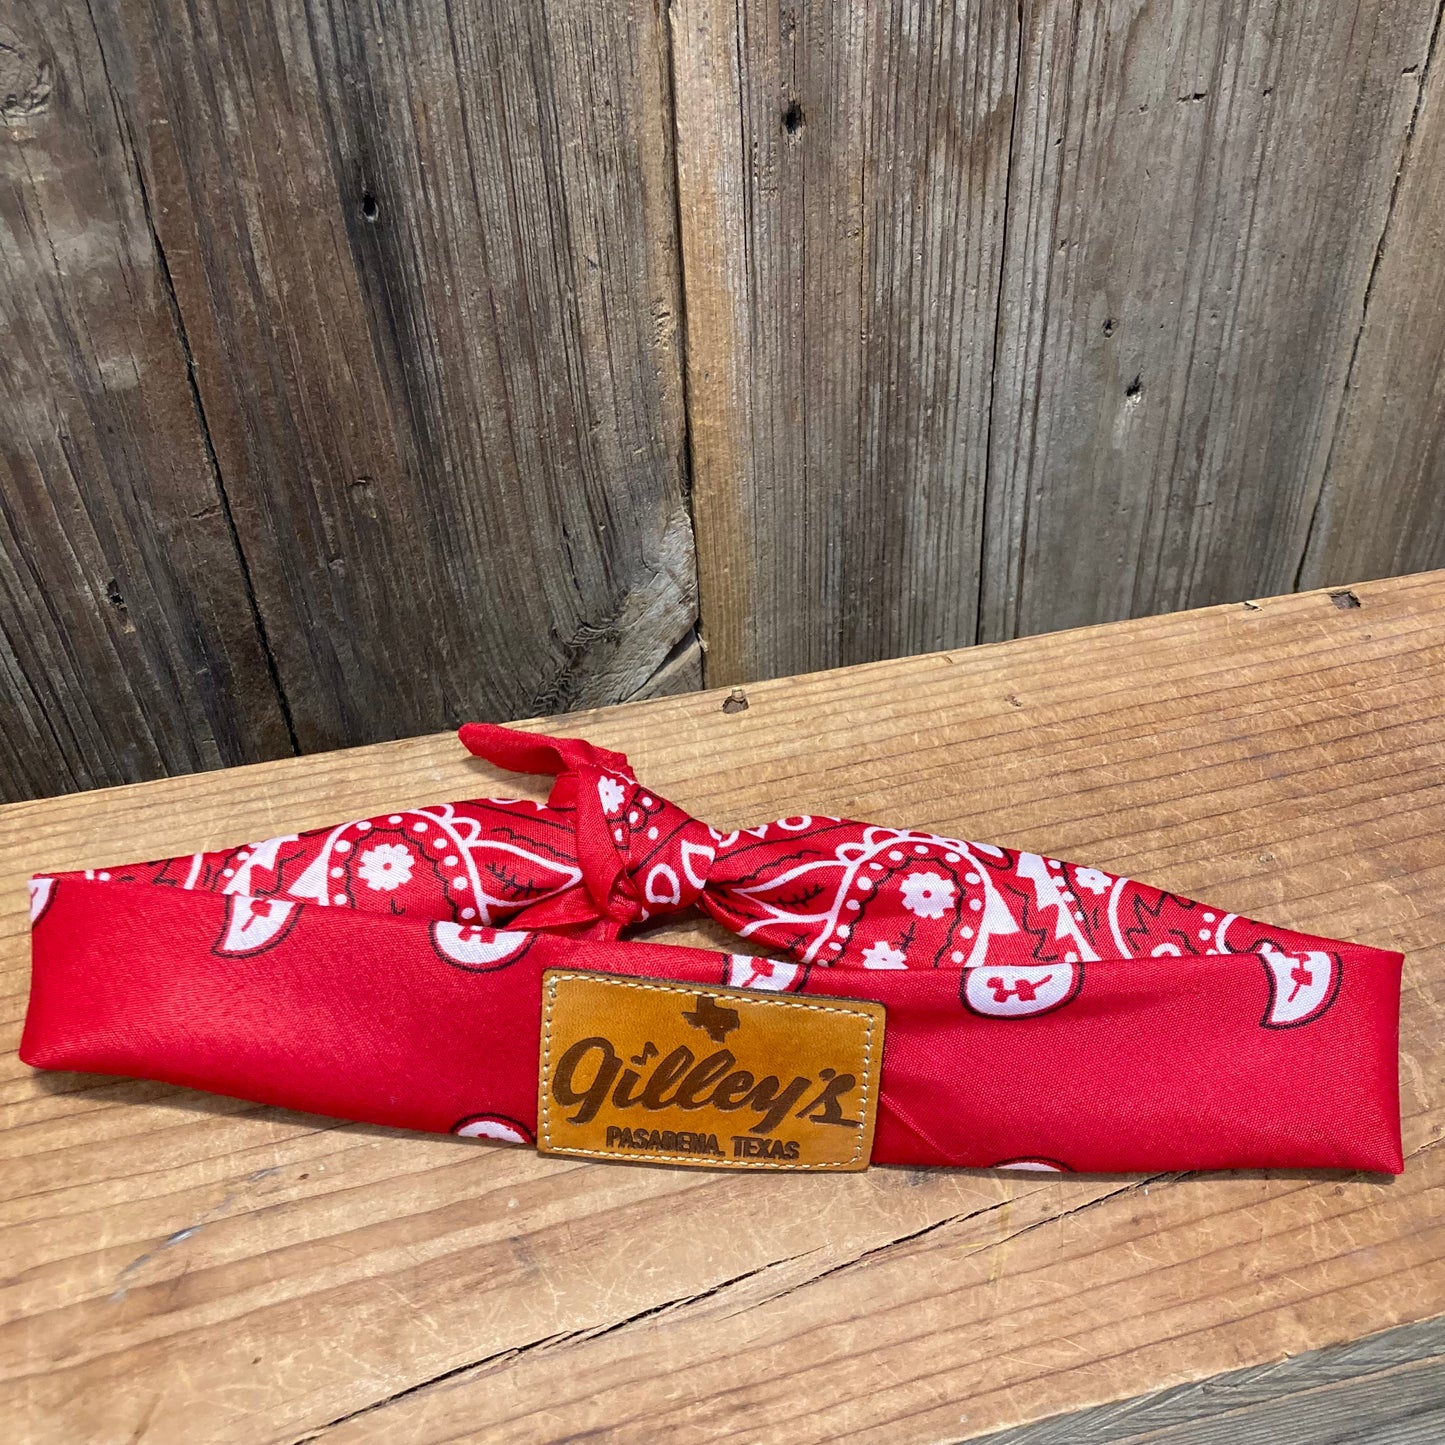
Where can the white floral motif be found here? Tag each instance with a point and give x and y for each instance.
(884, 955)
(927, 894)
(1093, 880)
(385, 867)
(611, 792)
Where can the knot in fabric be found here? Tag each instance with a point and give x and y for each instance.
(1019, 928)
(662, 856)
(640, 856)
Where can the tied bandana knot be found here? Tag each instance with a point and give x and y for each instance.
(828, 891)
(822, 889)
(664, 857)
(640, 856)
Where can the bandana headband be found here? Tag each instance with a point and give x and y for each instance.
(1039, 1013)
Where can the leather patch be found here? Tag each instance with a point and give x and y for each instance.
(726, 1078)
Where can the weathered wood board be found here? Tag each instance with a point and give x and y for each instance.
(390, 293)
(842, 174)
(1386, 1389)
(184, 1268)
(370, 366)
(1381, 509)
(128, 639)
(428, 263)
(1002, 324)
(1195, 202)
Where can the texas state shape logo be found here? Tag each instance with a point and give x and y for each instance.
(1012, 991)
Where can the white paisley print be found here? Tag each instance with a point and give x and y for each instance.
(884, 955)
(927, 894)
(386, 866)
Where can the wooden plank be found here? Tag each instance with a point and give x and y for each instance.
(841, 186)
(426, 255)
(128, 642)
(1387, 1389)
(1196, 197)
(187, 1268)
(1380, 507)
(892, 1346)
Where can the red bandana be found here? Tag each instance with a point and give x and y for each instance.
(1040, 1014)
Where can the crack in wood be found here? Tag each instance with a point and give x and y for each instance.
(681, 671)
(686, 460)
(198, 404)
(1317, 508)
(686, 1303)
(998, 325)
(478, 1368)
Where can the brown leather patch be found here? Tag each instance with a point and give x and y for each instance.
(728, 1078)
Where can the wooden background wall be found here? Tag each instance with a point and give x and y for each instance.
(370, 366)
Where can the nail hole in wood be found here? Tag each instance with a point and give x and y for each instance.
(735, 701)
(1344, 599)
(793, 118)
(369, 207)
(117, 601)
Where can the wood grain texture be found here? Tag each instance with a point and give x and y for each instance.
(1380, 510)
(681, 671)
(344, 373)
(128, 643)
(1387, 1389)
(1196, 197)
(426, 256)
(841, 182)
(184, 1268)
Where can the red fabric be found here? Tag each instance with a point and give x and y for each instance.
(1040, 1014)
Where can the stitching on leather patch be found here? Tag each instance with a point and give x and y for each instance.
(729, 1072)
